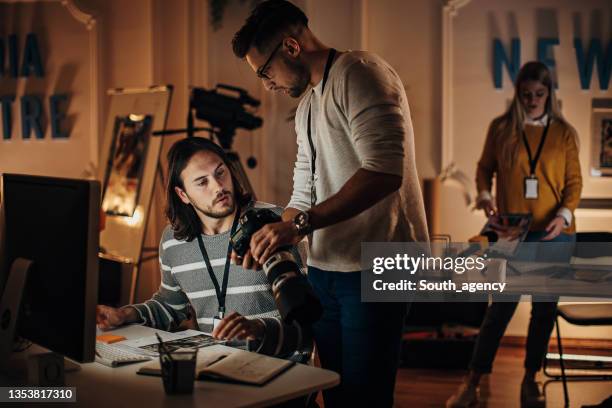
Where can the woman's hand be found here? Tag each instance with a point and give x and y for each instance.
(488, 206)
(236, 326)
(554, 228)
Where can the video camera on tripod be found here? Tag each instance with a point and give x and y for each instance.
(224, 112)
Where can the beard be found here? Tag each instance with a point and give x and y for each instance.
(301, 75)
(209, 211)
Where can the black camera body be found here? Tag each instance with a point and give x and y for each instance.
(251, 222)
(293, 295)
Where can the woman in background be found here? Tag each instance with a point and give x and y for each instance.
(533, 153)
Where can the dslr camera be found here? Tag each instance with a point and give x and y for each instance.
(293, 295)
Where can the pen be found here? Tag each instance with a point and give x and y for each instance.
(161, 345)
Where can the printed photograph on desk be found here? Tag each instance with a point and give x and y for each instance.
(198, 341)
(505, 232)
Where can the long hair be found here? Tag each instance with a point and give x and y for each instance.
(185, 222)
(509, 126)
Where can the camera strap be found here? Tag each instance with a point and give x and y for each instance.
(221, 292)
(534, 161)
(313, 159)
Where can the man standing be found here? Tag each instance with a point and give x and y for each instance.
(355, 181)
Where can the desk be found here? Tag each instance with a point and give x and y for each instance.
(532, 282)
(101, 386)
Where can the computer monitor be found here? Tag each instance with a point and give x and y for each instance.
(54, 222)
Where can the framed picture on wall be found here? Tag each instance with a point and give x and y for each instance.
(129, 158)
(605, 135)
(601, 146)
(131, 135)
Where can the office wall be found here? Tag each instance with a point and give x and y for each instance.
(407, 34)
(67, 47)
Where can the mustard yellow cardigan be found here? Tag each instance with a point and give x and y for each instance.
(557, 170)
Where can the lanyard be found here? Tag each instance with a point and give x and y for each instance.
(221, 292)
(533, 162)
(313, 159)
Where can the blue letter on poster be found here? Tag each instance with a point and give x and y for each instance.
(31, 57)
(57, 116)
(31, 111)
(586, 62)
(500, 57)
(6, 101)
(12, 49)
(545, 55)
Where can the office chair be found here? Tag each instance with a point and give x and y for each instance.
(582, 314)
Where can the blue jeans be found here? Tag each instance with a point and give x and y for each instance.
(360, 341)
(499, 314)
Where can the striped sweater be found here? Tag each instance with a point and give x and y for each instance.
(185, 282)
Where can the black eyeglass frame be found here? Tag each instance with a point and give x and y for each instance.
(261, 70)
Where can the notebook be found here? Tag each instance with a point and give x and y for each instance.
(229, 364)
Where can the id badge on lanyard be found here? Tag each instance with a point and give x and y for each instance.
(531, 188)
(313, 159)
(217, 319)
(220, 291)
(531, 185)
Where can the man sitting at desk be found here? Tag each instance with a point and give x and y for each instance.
(198, 281)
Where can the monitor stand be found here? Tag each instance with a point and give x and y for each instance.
(9, 308)
(71, 366)
(31, 368)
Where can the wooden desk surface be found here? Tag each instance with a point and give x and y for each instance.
(101, 386)
(534, 283)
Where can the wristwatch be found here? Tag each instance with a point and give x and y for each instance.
(302, 223)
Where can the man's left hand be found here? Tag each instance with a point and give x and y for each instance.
(272, 236)
(236, 326)
(246, 261)
(554, 228)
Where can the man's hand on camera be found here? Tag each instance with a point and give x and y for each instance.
(236, 326)
(272, 236)
(246, 261)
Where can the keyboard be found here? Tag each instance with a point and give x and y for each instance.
(113, 356)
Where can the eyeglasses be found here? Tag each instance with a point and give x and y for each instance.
(261, 71)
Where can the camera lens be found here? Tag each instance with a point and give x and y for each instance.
(293, 295)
